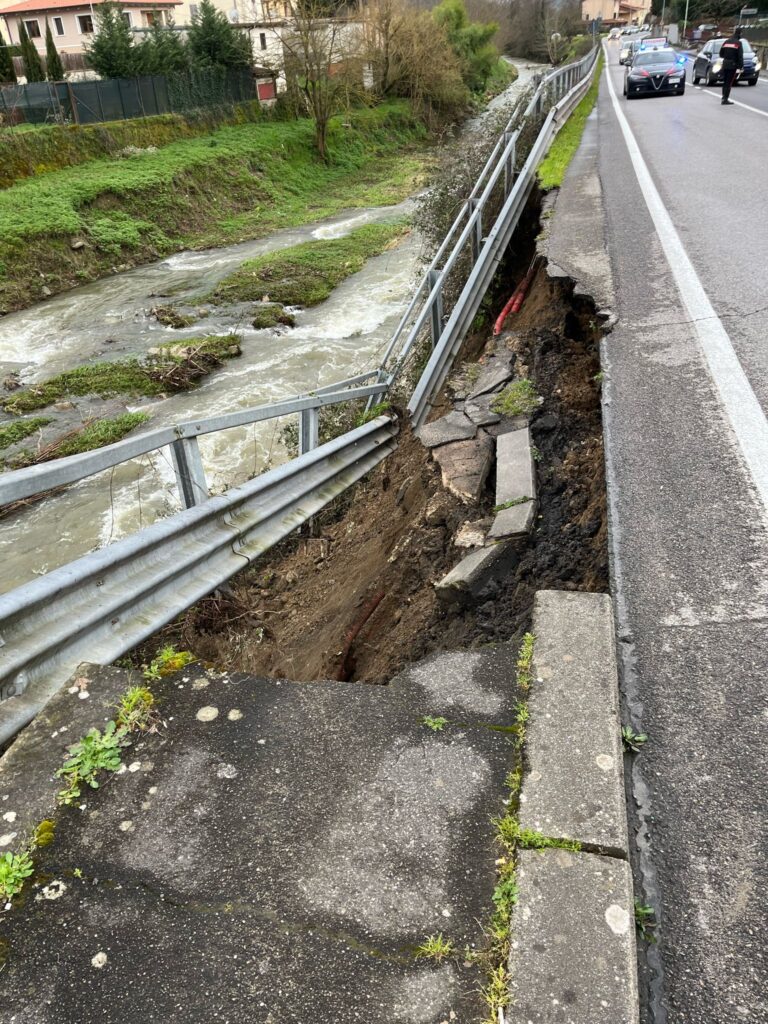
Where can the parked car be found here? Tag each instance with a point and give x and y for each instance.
(654, 73)
(708, 65)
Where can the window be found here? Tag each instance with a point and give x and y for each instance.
(263, 40)
(33, 29)
(58, 25)
(84, 24)
(127, 18)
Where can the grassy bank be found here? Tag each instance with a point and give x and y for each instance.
(239, 182)
(92, 435)
(173, 368)
(555, 164)
(29, 154)
(306, 274)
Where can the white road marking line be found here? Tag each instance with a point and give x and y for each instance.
(718, 96)
(739, 401)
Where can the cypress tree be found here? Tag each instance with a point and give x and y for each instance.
(33, 66)
(162, 52)
(7, 70)
(112, 53)
(53, 66)
(214, 43)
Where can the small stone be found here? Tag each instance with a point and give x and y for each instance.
(207, 714)
(76, 244)
(46, 292)
(471, 535)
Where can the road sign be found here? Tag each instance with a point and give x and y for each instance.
(747, 12)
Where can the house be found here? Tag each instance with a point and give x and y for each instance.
(73, 22)
(616, 11)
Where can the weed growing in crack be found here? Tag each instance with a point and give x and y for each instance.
(370, 414)
(633, 741)
(536, 453)
(527, 839)
(94, 753)
(14, 869)
(436, 724)
(167, 661)
(511, 504)
(645, 921)
(435, 948)
(135, 709)
(519, 398)
(599, 377)
(525, 662)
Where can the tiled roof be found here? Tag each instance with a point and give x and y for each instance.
(41, 6)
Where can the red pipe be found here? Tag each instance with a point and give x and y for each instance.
(516, 301)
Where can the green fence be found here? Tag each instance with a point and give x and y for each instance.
(119, 99)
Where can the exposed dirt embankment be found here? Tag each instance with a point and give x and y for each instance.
(357, 601)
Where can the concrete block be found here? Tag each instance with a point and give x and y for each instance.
(514, 521)
(453, 427)
(574, 786)
(472, 573)
(464, 466)
(515, 475)
(573, 941)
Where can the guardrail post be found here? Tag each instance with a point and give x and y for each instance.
(477, 233)
(509, 165)
(309, 430)
(190, 475)
(436, 312)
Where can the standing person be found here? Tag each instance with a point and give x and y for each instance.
(732, 54)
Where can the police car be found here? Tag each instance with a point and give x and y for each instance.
(656, 70)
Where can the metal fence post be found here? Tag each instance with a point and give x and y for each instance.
(477, 232)
(190, 475)
(436, 313)
(309, 430)
(509, 165)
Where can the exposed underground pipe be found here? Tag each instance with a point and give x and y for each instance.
(517, 298)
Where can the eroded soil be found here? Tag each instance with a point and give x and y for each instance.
(357, 600)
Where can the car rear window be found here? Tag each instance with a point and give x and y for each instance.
(653, 57)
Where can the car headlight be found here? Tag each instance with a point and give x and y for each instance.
(717, 66)
(758, 65)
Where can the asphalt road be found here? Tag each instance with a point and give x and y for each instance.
(688, 466)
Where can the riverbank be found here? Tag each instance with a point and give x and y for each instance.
(239, 182)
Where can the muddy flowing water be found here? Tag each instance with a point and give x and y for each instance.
(110, 319)
(341, 336)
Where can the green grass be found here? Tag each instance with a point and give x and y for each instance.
(11, 433)
(306, 274)
(554, 165)
(517, 399)
(129, 377)
(238, 182)
(272, 315)
(503, 74)
(102, 432)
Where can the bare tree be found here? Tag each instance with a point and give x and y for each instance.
(322, 64)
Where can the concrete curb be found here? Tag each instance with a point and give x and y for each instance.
(573, 955)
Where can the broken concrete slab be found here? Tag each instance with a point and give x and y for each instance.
(479, 410)
(573, 787)
(464, 466)
(278, 853)
(515, 482)
(471, 575)
(515, 521)
(515, 473)
(497, 371)
(572, 959)
(453, 427)
(28, 784)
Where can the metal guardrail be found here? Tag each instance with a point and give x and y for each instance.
(103, 604)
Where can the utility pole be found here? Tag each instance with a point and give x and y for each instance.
(685, 20)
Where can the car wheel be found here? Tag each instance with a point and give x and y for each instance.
(752, 81)
(682, 90)
(711, 81)
(696, 79)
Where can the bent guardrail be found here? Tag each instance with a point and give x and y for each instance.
(103, 604)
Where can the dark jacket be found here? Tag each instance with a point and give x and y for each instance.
(732, 53)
